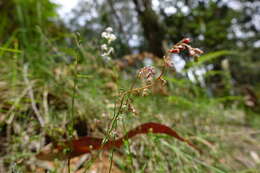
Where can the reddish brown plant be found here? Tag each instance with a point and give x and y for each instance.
(88, 144)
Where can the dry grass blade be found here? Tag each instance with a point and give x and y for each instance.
(31, 95)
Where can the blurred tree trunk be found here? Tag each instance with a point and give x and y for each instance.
(117, 17)
(154, 31)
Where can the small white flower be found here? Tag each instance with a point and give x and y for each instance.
(106, 50)
(109, 29)
(111, 38)
(104, 47)
(104, 35)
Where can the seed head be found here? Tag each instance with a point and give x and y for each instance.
(146, 72)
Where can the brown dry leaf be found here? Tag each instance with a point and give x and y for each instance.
(110, 86)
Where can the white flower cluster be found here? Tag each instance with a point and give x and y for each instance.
(106, 49)
(108, 35)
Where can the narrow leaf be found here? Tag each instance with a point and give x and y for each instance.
(77, 147)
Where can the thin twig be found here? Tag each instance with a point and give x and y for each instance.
(81, 161)
(45, 103)
(18, 99)
(2, 168)
(31, 95)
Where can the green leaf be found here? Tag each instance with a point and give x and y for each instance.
(10, 50)
(210, 56)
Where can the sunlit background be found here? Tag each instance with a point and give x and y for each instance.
(66, 7)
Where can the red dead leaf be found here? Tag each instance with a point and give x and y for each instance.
(88, 144)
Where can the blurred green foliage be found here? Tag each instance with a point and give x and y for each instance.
(214, 25)
(21, 17)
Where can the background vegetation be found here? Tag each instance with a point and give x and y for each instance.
(56, 85)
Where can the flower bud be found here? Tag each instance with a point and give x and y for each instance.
(186, 40)
(174, 50)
